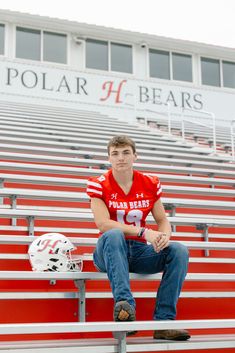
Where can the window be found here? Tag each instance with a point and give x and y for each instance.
(228, 74)
(102, 55)
(2, 39)
(55, 47)
(96, 54)
(121, 58)
(28, 44)
(182, 67)
(210, 71)
(159, 64)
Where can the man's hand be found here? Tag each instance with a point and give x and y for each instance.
(159, 240)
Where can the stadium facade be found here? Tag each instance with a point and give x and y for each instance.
(51, 61)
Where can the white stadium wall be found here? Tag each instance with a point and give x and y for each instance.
(118, 94)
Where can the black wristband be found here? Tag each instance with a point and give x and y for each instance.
(141, 232)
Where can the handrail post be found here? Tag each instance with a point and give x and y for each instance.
(169, 117)
(214, 132)
(182, 125)
(232, 139)
(183, 129)
(212, 115)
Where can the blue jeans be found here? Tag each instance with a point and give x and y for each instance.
(118, 257)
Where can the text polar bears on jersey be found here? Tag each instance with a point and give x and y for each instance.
(131, 208)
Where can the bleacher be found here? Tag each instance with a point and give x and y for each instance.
(194, 130)
(46, 156)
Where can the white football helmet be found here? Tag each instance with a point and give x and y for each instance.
(52, 252)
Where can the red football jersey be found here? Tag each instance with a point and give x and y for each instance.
(131, 208)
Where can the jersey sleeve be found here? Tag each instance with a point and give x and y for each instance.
(94, 188)
(157, 187)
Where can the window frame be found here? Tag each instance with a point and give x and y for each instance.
(148, 63)
(110, 57)
(41, 45)
(85, 54)
(171, 52)
(67, 47)
(172, 70)
(220, 73)
(221, 60)
(5, 40)
(109, 43)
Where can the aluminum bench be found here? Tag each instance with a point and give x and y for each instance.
(69, 170)
(78, 151)
(120, 344)
(219, 168)
(34, 179)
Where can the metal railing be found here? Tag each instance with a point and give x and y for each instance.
(182, 119)
(232, 139)
(213, 127)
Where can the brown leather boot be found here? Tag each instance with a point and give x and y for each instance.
(123, 311)
(176, 335)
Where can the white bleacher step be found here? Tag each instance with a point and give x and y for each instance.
(89, 257)
(22, 295)
(82, 128)
(56, 127)
(141, 148)
(88, 133)
(145, 155)
(95, 231)
(42, 229)
(83, 197)
(38, 156)
(52, 119)
(79, 126)
(110, 326)
(30, 275)
(194, 219)
(87, 216)
(196, 215)
(51, 169)
(30, 157)
(51, 112)
(149, 156)
(159, 140)
(81, 241)
(110, 345)
(19, 107)
(37, 179)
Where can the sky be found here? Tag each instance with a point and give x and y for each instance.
(205, 21)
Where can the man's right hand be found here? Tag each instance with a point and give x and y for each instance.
(159, 240)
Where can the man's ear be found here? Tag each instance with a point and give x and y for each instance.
(135, 156)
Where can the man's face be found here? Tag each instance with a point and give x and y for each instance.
(121, 158)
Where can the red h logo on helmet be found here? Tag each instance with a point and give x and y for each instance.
(49, 243)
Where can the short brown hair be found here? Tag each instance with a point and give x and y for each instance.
(121, 141)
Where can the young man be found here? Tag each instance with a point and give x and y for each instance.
(121, 199)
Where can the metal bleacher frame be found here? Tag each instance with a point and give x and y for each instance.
(26, 132)
(120, 343)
